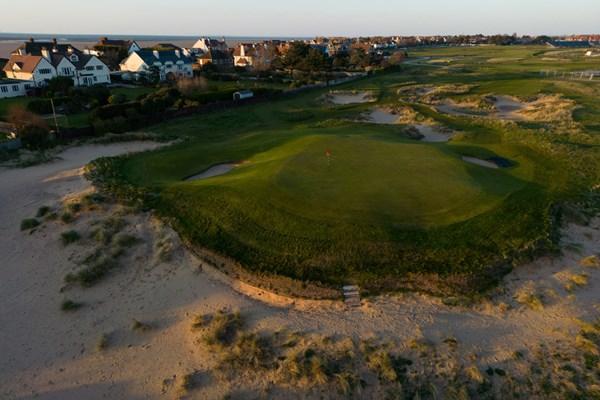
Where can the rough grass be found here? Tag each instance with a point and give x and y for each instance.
(529, 297)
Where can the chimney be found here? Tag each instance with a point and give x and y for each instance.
(242, 51)
(86, 50)
(70, 49)
(54, 40)
(31, 40)
(45, 53)
(177, 54)
(155, 53)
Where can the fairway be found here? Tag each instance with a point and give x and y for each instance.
(328, 197)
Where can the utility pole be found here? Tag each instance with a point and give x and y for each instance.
(54, 113)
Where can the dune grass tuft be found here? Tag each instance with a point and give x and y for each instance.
(70, 305)
(69, 237)
(591, 261)
(66, 218)
(103, 342)
(528, 296)
(141, 327)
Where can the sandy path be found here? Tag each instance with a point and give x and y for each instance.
(52, 354)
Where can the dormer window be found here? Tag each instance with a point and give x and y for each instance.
(74, 57)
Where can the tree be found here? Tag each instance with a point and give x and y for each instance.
(264, 57)
(189, 86)
(33, 137)
(30, 127)
(294, 56)
(20, 117)
(397, 58)
(112, 56)
(315, 61)
(60, 85)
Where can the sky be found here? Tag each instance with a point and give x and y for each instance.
(305, 18)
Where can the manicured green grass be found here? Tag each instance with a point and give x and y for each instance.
(385, 210)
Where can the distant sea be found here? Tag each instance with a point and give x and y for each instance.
(10, 41)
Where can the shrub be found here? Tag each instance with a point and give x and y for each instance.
(70, 305)
(118, 98)
(42, 211)
(33, 137)
(29, 223)
(69, 237)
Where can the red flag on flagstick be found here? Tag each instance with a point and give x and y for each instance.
(328, 154)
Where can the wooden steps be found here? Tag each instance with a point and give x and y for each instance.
(351, 296)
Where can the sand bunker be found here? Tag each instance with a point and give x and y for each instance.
(431, 134)
(215, 170)
(447, 107)
(479, 161)
(508, 107)
(350, 97)
(380, 116)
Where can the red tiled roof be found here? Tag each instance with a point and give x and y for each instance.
(26, 63)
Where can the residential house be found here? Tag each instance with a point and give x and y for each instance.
(37, 63)
(140, 63)
(258, 56)
(244, 55)
(13, 88)
(104, 44)
(215, 57)
(206, 44)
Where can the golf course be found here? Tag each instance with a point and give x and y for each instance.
(325, 193)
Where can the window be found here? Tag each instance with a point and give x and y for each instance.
(99, 67)
(27, 86)
(45, 71)
(66, 71)
(15, 88)
(4, 89)
(95, 79)
(89, 68)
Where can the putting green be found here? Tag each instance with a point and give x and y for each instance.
(372, 180)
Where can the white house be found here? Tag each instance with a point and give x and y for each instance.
(13, 88)
(206, 44)
(167, 62)
(39, 64)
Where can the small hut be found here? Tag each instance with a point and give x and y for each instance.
(243, 94)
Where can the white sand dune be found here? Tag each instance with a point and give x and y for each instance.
(51, 354)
